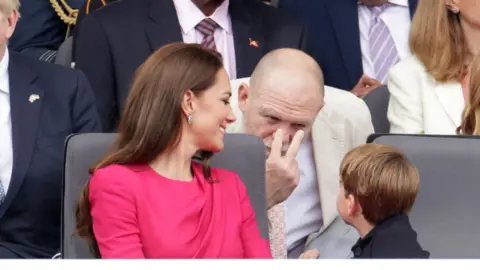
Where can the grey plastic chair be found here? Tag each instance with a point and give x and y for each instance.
(445, 214)
(244, 154)
(377, 103)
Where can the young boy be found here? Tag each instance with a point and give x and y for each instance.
(378, 187)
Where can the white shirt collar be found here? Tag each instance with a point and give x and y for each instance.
(4, 87)
(403, 3)
(189, 15)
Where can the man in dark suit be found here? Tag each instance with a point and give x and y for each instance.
(114, 41)
(343, 36)
(40, 105)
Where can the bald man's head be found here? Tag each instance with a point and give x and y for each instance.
(285, 68)
(286, 91)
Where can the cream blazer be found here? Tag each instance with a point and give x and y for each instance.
(420, 105)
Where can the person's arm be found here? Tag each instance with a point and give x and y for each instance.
(84, 109)
(254, 245)
(405, 112)
(114, 216)
(93, 57)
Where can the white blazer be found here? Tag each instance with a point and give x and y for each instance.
(421, 105)
(342, 124)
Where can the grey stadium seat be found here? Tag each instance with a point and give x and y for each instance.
(445, 214)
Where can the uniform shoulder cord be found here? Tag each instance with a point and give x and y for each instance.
(66, 13)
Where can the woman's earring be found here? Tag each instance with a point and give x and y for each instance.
(455, 10)
(189, 118)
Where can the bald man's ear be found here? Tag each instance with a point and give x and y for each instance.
(243, 96)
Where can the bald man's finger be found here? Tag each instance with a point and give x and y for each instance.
(295, 144)
(277, 144)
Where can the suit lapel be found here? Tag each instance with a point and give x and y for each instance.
(25, 115)
(162, 27)
(412, 5)
(328, 153)
(344, 18)
(246, 28)
(451, 98)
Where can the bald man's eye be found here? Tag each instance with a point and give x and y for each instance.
(299, 126)
(273, 118)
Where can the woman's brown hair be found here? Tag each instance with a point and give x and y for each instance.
(438, 41)
(471, 114)
(152, 117)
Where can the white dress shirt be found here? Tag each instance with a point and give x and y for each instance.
(303, 213)
(189, 15)
(397, 19)
(6, 150)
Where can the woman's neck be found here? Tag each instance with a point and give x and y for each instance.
(472, 37)
(175, 164)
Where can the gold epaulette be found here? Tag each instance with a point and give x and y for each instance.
(66, 13)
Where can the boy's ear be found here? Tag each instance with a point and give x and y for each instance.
(354, 207)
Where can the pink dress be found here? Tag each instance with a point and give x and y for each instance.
(138, 213)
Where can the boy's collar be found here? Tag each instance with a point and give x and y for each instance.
(362, 242)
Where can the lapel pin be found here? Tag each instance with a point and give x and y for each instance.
(33, 98)
(253, 43)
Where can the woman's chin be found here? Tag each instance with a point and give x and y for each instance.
(215, 147)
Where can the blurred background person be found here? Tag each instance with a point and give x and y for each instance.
(43, 26)
(40, 105)
(356, 42)
(148, 198)
(426, 93)
(113, 41)
(471, 114)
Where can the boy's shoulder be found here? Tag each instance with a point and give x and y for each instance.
(392, 238)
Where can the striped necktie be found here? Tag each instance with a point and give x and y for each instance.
(207, 27)
(383, 52)
(278, 244)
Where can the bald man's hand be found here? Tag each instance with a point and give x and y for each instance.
(364, 86)
(282, 174)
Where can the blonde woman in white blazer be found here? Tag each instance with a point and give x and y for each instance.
(426, 93)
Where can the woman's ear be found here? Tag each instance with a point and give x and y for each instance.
(188, 103)
(452, 5)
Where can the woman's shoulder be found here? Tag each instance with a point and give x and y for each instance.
(410, 64)
(116, 174)
(117, 169)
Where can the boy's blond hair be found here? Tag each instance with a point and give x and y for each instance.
(382, 180)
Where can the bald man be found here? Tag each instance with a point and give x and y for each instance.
(286, 104)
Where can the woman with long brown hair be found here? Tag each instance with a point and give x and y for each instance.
(471, 114)
(148, 198)
(426, 93)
